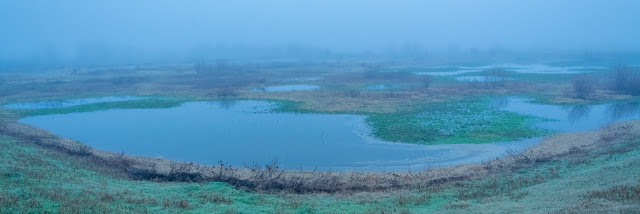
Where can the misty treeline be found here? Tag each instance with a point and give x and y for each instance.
(622, 79)
(226, 77)
(372, 71)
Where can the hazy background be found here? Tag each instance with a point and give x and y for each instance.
(119, 31)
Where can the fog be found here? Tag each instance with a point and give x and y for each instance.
(75, 31)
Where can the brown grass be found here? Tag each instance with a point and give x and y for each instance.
(618, 193)
(271, 178)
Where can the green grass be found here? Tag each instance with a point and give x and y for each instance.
(40, 180)
(131, 104)
(36, 180)
(565, 185)
(469, 121)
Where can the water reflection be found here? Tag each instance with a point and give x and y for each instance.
(239, 132)
(573, 118)
(578, 112)
(622, 110)
(225, 103)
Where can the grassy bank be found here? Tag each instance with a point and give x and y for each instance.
(34, 179)
(157, 102)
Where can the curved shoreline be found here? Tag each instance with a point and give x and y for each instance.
(271, 178)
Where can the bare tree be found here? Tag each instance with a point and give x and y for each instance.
(582, 85)
(495, 77)
(625, 79)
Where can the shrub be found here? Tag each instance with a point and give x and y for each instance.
(625, 79)
(495, 77)
(582, 85)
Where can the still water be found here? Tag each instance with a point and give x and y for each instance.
(246, 132)
(573, 118)
(286, 88)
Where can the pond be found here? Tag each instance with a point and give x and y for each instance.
(286, 88)
(449, 73)
(547, 69)
(519, 68)
(247, 132)
(573, 118)
(69, 102)
(482, 78)
(386, 86)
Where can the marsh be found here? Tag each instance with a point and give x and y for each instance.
(319, 107)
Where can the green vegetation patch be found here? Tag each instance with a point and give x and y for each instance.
(130, 104)
(450, 122)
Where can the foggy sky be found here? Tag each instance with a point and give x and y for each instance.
(72, 29)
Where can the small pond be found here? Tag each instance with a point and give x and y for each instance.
(387, 86)
(69, 103)
(573, 118)
(547, 69)
(519, 68)
(286, 88)
(449, 73)
(482, 78)
(239, 132)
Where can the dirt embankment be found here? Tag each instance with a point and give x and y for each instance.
(271, 178)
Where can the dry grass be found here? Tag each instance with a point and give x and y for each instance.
(271, 178)
(618, 193)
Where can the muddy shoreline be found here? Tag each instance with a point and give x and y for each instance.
(270, 178)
